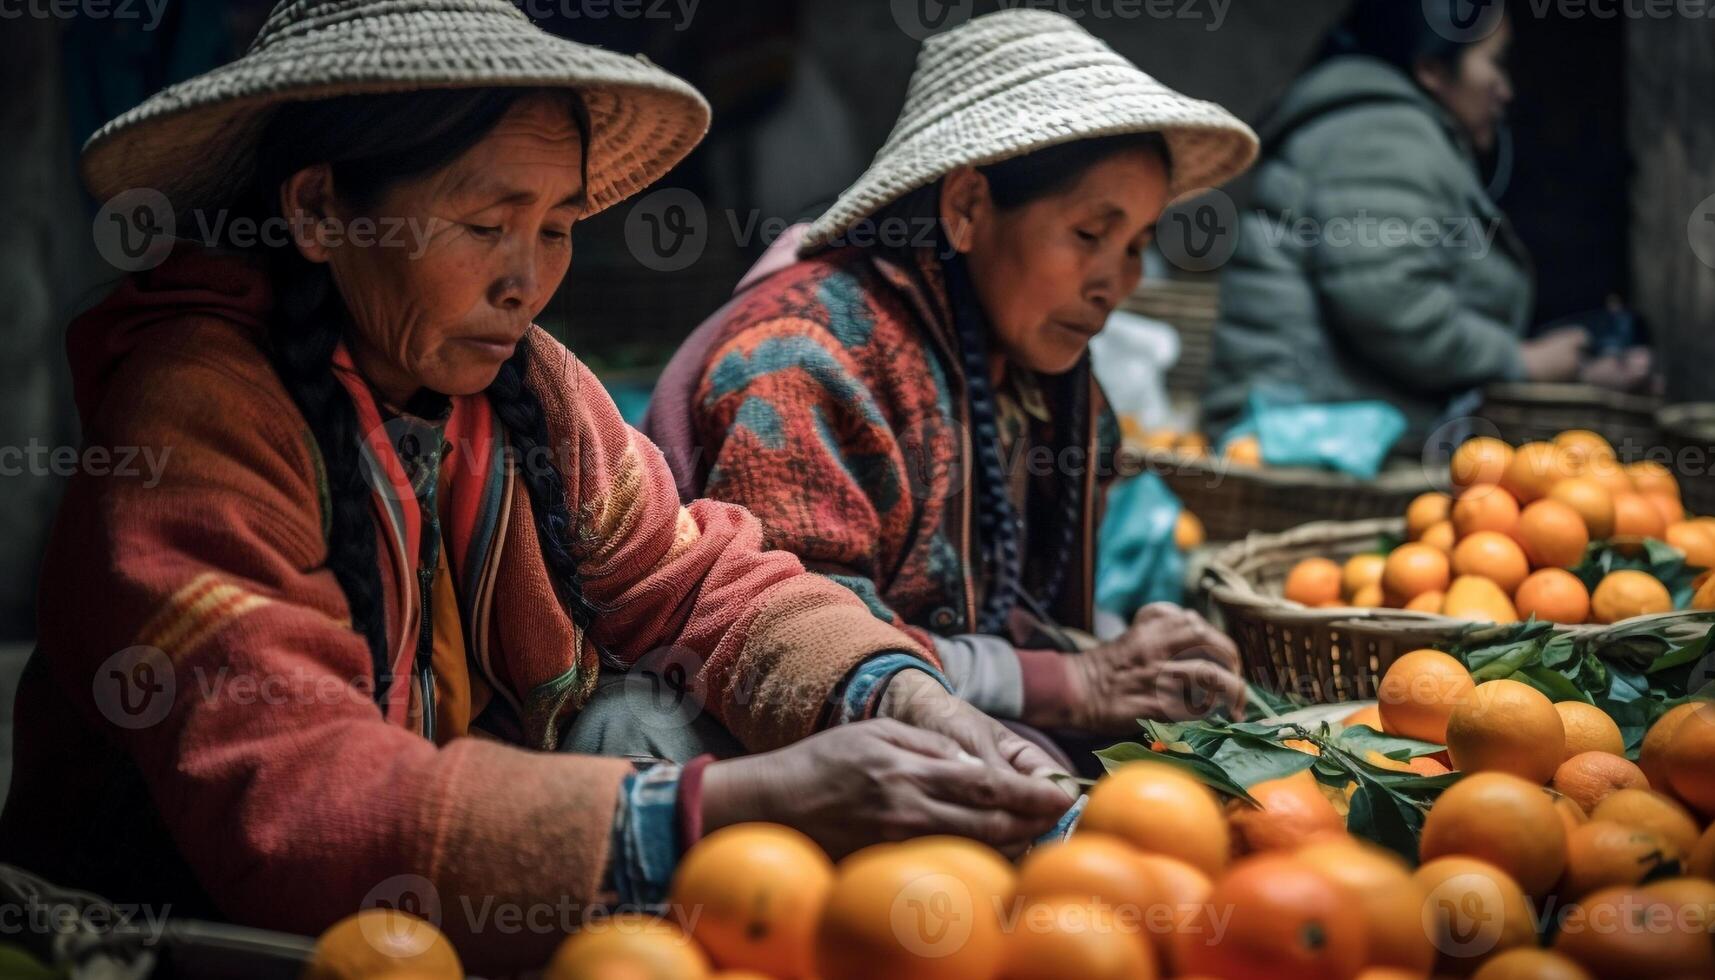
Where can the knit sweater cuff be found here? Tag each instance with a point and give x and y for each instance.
(1047, 682)
(691, 801)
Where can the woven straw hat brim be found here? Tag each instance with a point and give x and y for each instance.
(195, 141)
(1015, 82)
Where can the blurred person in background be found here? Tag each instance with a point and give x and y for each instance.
(906, 400)
(1373, 262)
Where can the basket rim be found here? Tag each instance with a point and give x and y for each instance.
(1572, 394)
(1679, 419)
(1227, 586)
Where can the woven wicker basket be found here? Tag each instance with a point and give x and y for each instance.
(1321, 655)
(1234, 501)
(1689, 433)
(1538, 412)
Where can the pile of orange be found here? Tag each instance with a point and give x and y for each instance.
(1500, 548)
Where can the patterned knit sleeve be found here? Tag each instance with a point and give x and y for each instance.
(769, 646)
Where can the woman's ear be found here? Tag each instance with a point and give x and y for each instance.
(1436, 77)
(964, 205)
(307, 202)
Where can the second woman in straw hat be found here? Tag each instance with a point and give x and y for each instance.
(909, 406)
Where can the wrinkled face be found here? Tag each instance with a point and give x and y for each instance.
(1049, 272)
(1478, 95)
(485, 242)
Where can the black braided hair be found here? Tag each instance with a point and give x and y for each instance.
(371, 143)
(521, 412)
(1012, 183)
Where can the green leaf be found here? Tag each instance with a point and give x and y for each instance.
(1251, 761)
(1359, 739)
(1380, 816)
(1553, 683)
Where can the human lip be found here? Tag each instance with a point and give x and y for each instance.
(1082, 329)
(498, 345)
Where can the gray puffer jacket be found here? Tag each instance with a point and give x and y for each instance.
(1372, 263)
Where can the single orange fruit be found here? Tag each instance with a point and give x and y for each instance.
(1553, 595)
(1696, 540)
(1413, 569)
(1704, 597)
(1441, 537)
(1609, 473)
(1535, 469)
(1650, 476)
(1506, 726)
(1504, 820)
(1603, 853)
(1636, 518)
(1628, 593)
(1369, 597)
(1648, 810)
(1531, 964)
(1485, 507)
(1089, 868)
(1188, 532)
(1701, 861)
(1688, 760)
(1184, 890)
(382, 940)
(1589, 729)
(979, 866)
(1478, 598)
(1389, 899)
(1419, 693)
(1670, 508)
(1553, 535)
(1285, 921)
(1293, 812)
(1494, 556)
(1652, 756)
(1590, 777)
(1302, 744)
(1584, 446)
(1245, 449)
(1157, 808)
(1472, 911)
(1625, 932)
(1593, 502)
(1692, 898)
(1061, 939)
(749, 894)
(899, 912)
(630, 945)
(1313, 582)
(1370, 715)
(1480, 460)
(1361, 572)
(1426, 511)
(1428, 602)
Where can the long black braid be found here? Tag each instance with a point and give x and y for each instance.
(521, 412)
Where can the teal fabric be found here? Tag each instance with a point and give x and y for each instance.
(1323, 301)
(1138, 562)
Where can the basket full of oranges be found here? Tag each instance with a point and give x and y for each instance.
(1559, 532)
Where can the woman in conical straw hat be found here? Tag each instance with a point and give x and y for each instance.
(402, 548)
(909, 406)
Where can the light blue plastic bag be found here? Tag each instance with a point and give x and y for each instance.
(1137, 561)
(1349, 437)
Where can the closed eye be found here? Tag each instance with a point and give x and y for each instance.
(484, 231)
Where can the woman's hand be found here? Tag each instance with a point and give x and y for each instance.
(1171, 665)
(876, 781)
(1556, 355)
(920, 701)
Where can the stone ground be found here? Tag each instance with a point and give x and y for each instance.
(12, 657)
